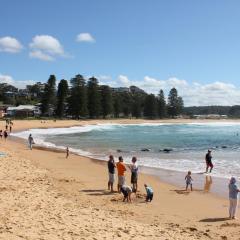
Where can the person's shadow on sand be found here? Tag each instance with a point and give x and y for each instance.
(214, 219)
(98, 192)
(181, 191)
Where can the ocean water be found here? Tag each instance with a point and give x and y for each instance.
(188, 143)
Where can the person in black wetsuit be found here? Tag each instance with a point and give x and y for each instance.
(208, 159)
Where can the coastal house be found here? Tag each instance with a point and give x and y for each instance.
(23, 111)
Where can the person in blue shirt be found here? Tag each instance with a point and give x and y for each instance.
(149, 191)
(233, 197)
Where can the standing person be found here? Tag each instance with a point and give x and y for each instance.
(1, 134)
(30, 141)
(189, 180)
(10, 128)
(121, 170)
(5, 134)
(134, 174)
(6, 127)
(111, 172)
(208, 159)
(67, 152)
(149, 191)
(233, 197)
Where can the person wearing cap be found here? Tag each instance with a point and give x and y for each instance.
(208, 159)
(233, 197)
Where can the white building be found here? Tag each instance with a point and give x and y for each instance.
(24, 111)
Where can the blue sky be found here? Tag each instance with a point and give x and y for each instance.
(192, 45)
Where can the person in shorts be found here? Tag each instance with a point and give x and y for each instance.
(134, 174)
(208, 159)
(121, 168)
(111, 172)
(126, 191)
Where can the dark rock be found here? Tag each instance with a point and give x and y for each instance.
(167, 150)
(145, 150)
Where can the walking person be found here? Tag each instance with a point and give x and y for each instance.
(1, 134)
(208, 159)
(121, 171)
(30, 141)
(67, 152)
(233, 197)
(111, 172)
(134, 174)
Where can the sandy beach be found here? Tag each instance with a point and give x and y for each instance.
(46, 196)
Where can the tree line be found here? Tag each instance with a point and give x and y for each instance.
(87, 99)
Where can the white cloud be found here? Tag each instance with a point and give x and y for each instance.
(10, 44)
(85, 37)
(46, 48)
(124, 81)
(194, 94)
(40, 55)
(16, 83)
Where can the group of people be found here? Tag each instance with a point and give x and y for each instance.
(122, 187)
(8, 129)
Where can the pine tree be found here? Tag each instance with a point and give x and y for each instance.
(62, 94)
(137, 105)
(162, 111)
(77, 101)
(117, 105)
(126, 100)
(49, 96)
(150, 106)
(94, 98)
(175, 103)
(107, 102)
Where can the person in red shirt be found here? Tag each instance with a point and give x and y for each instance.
(121, 170)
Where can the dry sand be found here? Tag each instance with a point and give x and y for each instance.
(46, 196)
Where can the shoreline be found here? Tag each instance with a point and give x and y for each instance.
(200, 179)
(212, 186)
(173, 212)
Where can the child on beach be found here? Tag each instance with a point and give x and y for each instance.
(149, 191)
(126, 191)
(189, 180)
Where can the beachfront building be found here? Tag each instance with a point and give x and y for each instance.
(24, 111)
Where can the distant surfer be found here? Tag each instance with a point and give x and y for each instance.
(208, 159)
